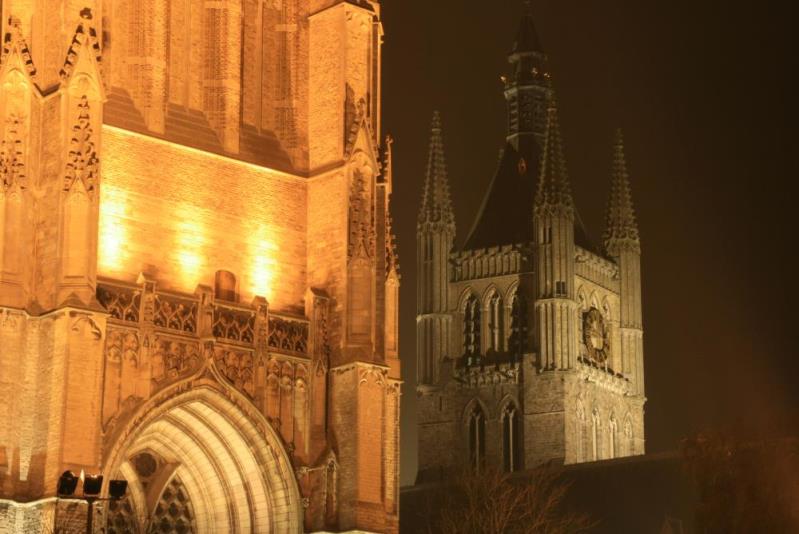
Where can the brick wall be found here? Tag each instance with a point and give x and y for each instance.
(181, 215)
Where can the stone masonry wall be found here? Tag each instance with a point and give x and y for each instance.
(181, 215)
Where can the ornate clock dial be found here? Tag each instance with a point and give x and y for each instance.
(596, 336)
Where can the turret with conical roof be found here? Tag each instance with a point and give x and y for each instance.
(623, 244)
(553, 195)
(436, 207)
(621, 232)
(553, 226)
(435, 236)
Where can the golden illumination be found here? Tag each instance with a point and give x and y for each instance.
(112, 253)
(190, 244)
(262, 251)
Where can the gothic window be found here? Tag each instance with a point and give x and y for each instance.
(518, 325)
(612, 430)
(595, 428)
(477, 429)
(511, 439)
(495, 323)
(628, 436)
(471, 327)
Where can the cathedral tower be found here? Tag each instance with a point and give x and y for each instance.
(198, 278)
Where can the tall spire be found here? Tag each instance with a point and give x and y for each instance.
(436, 203)
(622, 229)
(527, 37)
(554, 192)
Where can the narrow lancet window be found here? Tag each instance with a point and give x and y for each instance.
(510, 439)
(471, 329)
(495, 322)
(476, 438)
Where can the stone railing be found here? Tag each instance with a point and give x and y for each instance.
(603, 375)
(234, 323)
(494, 261)
(288, 334)
(200, 315)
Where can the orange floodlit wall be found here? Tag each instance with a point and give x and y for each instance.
(180, 215)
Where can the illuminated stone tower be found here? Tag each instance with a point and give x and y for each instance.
(198, 280)
(538, 356)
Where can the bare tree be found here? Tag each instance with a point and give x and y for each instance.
(490, 501)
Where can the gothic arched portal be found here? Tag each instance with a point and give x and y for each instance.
(200, 462)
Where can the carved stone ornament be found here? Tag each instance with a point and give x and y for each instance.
(596, 336)
(122, 344)
(238, 367)
(287, 335)
(82, 161)
(12, 167)
(172, 359)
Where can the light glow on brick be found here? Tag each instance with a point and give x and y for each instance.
(190, 244)
(112, 253)
(263, 251)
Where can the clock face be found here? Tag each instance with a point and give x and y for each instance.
(596, 336)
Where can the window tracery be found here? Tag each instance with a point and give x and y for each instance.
(518, 326)
(471, 329)
(476, 437)
(495, 323)
(511, 438)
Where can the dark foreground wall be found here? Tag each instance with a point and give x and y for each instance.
(644, 495)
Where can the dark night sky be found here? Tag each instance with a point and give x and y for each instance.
(704, 93)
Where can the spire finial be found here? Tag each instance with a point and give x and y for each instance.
(436, 204)
(554, 191)
(622, 228)
(527, 37)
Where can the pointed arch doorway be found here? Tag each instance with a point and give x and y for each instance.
(202, 462)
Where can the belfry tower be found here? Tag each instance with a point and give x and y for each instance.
(537, 353)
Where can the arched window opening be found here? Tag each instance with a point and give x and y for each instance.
(225, 286)
(628, 437)
(511, 439)
(495, 323)
(595, 425)
(471, 329)
(612, 429)
(477, 430)
(518, 326)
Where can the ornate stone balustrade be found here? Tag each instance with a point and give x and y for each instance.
(287, 334)
(234, 323)
(603, 376)
(200, 316)
(490, 262)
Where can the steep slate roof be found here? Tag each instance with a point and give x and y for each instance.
(506, 214)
